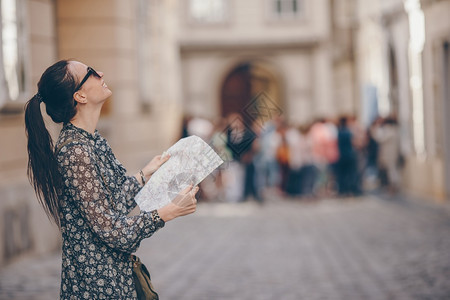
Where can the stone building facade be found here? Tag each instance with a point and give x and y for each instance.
(281, 47)
(24, 229)
(402, 64)
(436, 91)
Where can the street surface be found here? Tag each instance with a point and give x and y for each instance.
(339, 249)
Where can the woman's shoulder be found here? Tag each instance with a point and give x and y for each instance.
(67, 145)
(73, 151)
(71, 144)
(70, 138)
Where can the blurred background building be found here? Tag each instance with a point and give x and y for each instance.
(165, 59)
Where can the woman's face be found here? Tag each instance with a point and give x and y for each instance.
(94, 89)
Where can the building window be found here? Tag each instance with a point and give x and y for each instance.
(13, 77)
(286, 9)
(208, 11)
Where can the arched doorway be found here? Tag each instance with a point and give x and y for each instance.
(243, 83)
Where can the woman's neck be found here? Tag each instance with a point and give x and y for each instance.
(86, 119)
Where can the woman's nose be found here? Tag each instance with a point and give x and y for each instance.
(100, 73)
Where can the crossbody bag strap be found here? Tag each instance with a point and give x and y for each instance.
(57, 150)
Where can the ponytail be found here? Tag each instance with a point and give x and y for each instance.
(42, 165)
(56, 88)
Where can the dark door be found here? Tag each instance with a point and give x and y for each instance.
(236, 91)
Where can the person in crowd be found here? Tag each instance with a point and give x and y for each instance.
(200, 127)
(270, 140)
(346, 166)
(295, 141)
(85, 190)
(184, 126)
(213, 186)
(251, 159)
(283, 156)
(359, 141)
(323, 135)
(388, 138)
(239, 141)
(370, 172)
(308, 171)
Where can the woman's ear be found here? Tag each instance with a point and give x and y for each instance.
(80, 97)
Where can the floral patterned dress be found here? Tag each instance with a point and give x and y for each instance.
(97, 235)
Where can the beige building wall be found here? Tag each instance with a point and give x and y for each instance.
(382, 40)
(345, 90)
(437, 30)
(142, 117)
(384, 27)
(24, 228)
(250, 22)
(204, 74)
(296, 52)
(427, 175)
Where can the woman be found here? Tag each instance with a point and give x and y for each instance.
(84, 189)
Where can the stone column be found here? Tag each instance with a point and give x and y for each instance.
(103, 34)
(322, 82)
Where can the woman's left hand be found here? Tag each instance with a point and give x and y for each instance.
(154, 165)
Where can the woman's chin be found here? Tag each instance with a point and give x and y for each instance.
(108, 93)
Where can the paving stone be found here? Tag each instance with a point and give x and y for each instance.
(365, 248)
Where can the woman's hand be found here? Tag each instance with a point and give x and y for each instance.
(154, 165)
(183, 204)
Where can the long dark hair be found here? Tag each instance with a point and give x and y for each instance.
(55, 89)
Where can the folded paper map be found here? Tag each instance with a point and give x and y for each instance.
(191, 160)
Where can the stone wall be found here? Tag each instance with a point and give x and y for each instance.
(296, 52)
(24, 227)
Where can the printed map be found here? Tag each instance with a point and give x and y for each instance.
(191, 160)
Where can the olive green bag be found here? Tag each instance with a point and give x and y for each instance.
(141, 276)
(142, 280)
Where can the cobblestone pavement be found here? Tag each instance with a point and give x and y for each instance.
(366, 248)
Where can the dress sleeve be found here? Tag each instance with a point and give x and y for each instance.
(129, 186)
(88, 193)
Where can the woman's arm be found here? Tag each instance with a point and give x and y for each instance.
(146, 172)
(183, 204)
(90, 196)
(129, 186)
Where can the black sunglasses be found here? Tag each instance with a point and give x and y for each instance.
(90, 72)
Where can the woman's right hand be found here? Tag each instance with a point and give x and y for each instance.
(184, 203)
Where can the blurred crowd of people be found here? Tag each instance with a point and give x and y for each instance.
(322, 159)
